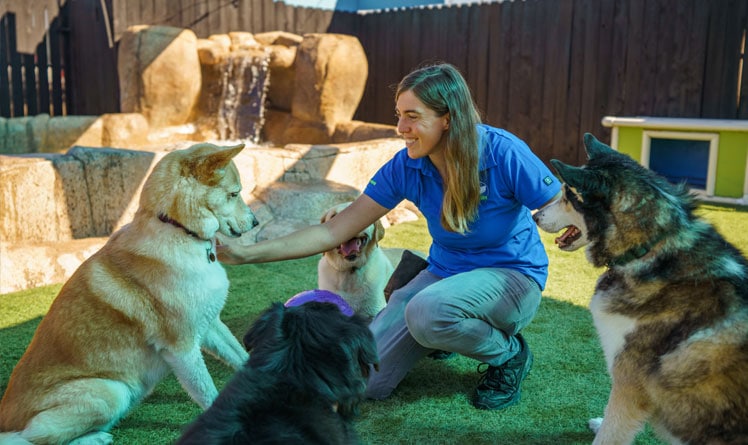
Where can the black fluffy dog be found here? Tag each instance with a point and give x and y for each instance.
(303, 383)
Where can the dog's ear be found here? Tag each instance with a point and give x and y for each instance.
(328, 215)
(582, 179)
(594, 147)
(378, 231)
(209, 168)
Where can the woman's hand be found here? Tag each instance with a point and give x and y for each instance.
(308, 241)
(231, 253)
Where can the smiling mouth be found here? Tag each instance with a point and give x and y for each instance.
(351, 249)
(571, 234)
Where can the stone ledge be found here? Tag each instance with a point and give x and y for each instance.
(40, 264)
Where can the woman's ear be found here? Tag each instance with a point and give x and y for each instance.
(446, 120)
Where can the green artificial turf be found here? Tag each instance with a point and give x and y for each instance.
(568, 383)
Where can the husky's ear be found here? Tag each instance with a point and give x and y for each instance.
(211, 168)
(566, 172)
(594, 147)
(578, 177)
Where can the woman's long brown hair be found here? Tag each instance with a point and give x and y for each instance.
(442, 88)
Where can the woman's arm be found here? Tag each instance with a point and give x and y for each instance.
(311, 240)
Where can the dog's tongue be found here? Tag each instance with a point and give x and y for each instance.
(569, 233)
(351, 246)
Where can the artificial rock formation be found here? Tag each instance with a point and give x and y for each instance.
(297, 89)
(159, 72)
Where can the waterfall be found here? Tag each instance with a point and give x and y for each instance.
(235, 102)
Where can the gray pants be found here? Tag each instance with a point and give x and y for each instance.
(476, 314)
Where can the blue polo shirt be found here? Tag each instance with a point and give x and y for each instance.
(513, 181)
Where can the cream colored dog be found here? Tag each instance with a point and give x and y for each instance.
(141, 307)
(358, 270)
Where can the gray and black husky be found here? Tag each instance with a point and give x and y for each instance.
(671, 308)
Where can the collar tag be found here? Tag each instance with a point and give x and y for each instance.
(212, 251)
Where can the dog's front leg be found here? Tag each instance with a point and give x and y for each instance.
(192, 373)
(221, 343)
(624, 417)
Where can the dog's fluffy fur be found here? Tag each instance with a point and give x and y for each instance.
(307, 373)
(142, 306)
(671, 309)
(358, 269)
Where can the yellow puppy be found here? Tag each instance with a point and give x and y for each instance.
(358, 270)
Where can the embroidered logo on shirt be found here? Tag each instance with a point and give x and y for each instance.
(373, 182)
(483, 191)
(547, 180)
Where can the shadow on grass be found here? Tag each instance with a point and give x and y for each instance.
(13, 342)
(567, 385)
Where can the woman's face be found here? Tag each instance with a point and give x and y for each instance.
(421, 128)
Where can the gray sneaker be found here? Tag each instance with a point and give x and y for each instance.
(499, 386)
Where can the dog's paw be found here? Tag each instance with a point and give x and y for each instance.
(594, 424)
(94, 438)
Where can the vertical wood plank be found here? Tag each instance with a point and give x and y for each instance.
(648, 59)
(369, 112)
(246, 11)
(615, 103)
(200, 18)
(599, 97)
(695, 57)
(387, 69)
(230, 17)
(573, 99)
(57, 48)
(162, 14)
(16, 79)
(548, 20)
(477, 56)
(565, 142)
(727, 76)
(586, 86)
(213, 18)
(31, 96)
(119, 18)
(529, 76)
(44, 87)
(498, 72)
(283, 17)
(742, 112)
(4, 61)
(266, 19)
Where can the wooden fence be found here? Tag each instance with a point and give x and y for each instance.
(547, 70)
(31, 82)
